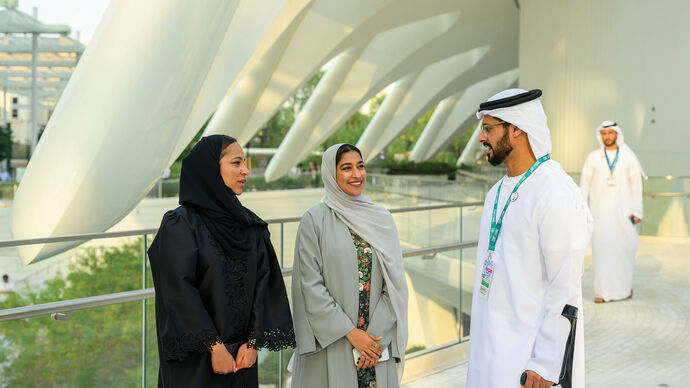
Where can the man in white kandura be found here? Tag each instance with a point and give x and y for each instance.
(526, 328)
(611, 182)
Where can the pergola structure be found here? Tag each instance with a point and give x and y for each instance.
(33, 64)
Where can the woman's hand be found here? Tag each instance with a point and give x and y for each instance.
(365, 362)
(246, 357)
(366, 345)
(221, 360)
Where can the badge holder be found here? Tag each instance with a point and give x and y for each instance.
(487, 276)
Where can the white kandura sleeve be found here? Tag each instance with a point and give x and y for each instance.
(635, 178)
(563, 238)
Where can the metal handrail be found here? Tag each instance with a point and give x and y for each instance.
(75, 237)
(435, 207)
(139, 232)
(438, 249)
(666, 194)
(148, 293)
(420, 179)
(75, 304)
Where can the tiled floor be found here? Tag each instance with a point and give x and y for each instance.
(643, 342)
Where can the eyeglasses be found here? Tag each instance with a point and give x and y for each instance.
(487, 127)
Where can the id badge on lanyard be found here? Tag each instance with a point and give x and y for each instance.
(489, 265)
(611, 181)
(487, 276)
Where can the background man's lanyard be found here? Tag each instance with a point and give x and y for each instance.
(496, 226)
(615, 161)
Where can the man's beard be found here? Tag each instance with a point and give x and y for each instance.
(501, 152)
(610, 142)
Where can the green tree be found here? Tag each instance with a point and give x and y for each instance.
(459, 144)
(275, 129)
(6, 145)
(404, 143)
(350, 131)
(99, 347)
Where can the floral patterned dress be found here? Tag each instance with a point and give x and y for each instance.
(365, 377)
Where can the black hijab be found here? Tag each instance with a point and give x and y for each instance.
(202, 188)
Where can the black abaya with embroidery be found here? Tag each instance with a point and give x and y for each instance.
(216, 278)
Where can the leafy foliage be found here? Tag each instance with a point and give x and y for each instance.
(258, 183)
(6, 145)
(273, 132)
(405, 142)
(95, 347)
(422, 168)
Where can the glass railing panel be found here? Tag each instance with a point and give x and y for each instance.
(421, 190)
(471, 217)
(435, 311)
(97, 267)
(283, 237)
(97, 347)
(469, 260)
(666, 216)
(283, 357)
(427, 228)
(269, 368)
(666, 207)
(105, 266)
(152, 361)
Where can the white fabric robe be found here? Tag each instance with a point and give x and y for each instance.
(615, 240)
(539, 260)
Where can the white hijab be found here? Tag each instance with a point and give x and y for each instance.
(608, 124)
(376, 226)
(528, 116)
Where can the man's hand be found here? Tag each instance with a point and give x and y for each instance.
(536, 381)
(636, 220)
(221, 360)
(246, 357)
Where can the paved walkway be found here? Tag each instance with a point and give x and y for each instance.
(643, 342)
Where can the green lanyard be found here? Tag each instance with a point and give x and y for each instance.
(496, 226)
(612, 166)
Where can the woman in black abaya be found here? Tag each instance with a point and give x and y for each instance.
(220, 294)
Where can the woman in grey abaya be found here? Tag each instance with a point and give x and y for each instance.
(348, 288)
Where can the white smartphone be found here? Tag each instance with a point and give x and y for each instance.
(383, 357)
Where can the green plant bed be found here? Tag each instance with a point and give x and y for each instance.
(423, 168)
(259, 183)
(415, 348)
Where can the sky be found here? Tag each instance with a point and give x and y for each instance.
(80, 15)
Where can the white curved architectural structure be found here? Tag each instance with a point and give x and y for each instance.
(389, 56)
(392, 50)
(433, 84)
(448, 122)
(328, 28)
(119, 118)
(262, 25)
(136, 100)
